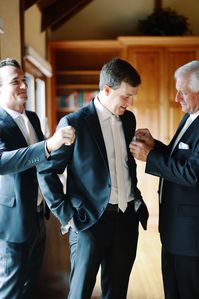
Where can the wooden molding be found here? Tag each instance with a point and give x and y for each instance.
(60, 11)
(158, 40)
(29, 3)
(38, 61)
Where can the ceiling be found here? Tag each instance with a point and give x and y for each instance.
(56, 12)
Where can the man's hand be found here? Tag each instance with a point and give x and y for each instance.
(142, 144)
(145, 136)
(65, 135)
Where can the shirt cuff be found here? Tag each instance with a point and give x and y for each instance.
(64, 229)
(47, 153)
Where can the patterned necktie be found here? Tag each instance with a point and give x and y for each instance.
(119, 164)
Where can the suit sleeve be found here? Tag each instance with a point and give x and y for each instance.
(21, 159)
(50, 184)
(181, 168)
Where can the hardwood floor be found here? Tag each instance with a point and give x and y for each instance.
(145, 281)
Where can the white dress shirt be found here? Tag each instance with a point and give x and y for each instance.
(104, 116)
(19, 119)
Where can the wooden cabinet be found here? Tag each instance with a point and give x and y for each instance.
(76, 66)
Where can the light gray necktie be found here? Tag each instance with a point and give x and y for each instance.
(119, 164)
(30, 133)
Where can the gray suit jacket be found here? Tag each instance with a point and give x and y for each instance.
(18, 181)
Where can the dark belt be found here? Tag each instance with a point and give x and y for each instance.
(114, 207)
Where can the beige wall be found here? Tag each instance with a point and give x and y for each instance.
(188, 8)
(107, 19)
(33, 35)
(10, 41)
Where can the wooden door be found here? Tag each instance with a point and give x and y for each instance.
(155, 107)
(176, 56)
(146, 106)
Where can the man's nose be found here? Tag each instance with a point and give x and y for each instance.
(178, 96)
(130, 101)
(23, 84)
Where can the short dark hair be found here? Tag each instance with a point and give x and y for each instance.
(9, 62)
(116, 71)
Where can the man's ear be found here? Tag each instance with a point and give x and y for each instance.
(107, 90)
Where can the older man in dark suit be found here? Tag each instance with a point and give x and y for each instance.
(22, 230)
(178, 166)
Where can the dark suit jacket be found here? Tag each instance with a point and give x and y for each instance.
(88, 181)
(179, 210)
(18, 181)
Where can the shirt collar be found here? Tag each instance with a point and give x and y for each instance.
(14, 114)
(194, 115)
(102, 111)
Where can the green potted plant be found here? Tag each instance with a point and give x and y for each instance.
(164, 21)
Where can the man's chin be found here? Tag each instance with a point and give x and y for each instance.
(121, 112)
(184, 108)
(23, 100)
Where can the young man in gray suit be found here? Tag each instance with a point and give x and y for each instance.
(178, 166)
(22, 230)
(102, 205)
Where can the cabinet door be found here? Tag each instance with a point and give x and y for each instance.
(176, 57)
(155, 107)
(146, 106)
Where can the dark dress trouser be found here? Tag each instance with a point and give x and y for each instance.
(180, 276)
(110, 243)
(20, 264)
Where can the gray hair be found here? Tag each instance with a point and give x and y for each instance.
(191, 70)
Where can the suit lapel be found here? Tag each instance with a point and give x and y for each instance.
(178, 129)
(128, 130)
(189, 134)
(12, 127)
(94, 126)
(192, 128)
(35, 124)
